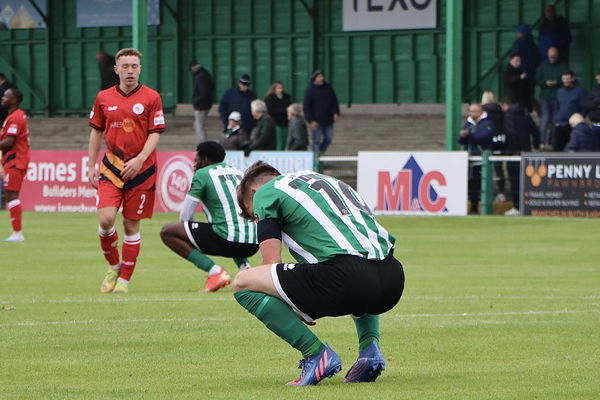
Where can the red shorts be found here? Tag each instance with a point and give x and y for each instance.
(137, 204)
(13, 179)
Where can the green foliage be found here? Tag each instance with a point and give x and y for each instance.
(494, 308)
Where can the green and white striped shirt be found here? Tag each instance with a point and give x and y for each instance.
(321, 217)
(214, 186)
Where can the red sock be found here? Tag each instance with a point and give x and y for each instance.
(15, 214)
(131, 249)
(108, 242)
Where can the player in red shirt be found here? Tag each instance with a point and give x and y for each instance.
(14, 151)
(129, 116)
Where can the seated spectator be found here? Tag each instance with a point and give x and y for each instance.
(298, 134)
(515, 84)
(521, 133)
(595, 94)
(263, 134)
(570, 99)
(595, 118)
(581, 135)
(234, 137)
(476, 135)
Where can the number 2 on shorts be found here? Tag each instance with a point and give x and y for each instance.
(142, 202)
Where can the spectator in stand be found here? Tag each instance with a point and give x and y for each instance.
(595, 94)
(277, 102)
(298, 135)
(321, 111)
(521, 133)
(554, 31)
(570, 99)
(263, 134)
(476, 135)
(496, 115)
(548, 78)
(234, 137)
(582, 138)
(595, 118)
(202, 98)
(515, 84)
(106, 65)
(530, 59)
(238, 99)
(4, 86)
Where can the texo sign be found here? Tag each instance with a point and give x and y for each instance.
(371, 15)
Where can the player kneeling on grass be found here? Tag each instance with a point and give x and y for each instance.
(226, 234)
(345, 266)
(14, 153)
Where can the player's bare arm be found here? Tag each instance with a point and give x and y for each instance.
(7, 143)
(271, 251)
(1, 168)
(133, 166)
(93, 150)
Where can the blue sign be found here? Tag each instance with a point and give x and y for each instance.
(96, 13)
(19, 14)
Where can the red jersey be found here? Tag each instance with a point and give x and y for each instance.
(15, 125)
(127, 120)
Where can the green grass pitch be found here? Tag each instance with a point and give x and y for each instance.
(494, 308)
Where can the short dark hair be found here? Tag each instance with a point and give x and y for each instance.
(507, 100)
(253, 172)
(211, 150)
(2, 76)
(513, 55)
(18, 95)
(568, 72)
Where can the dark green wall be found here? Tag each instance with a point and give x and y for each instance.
(279, 40)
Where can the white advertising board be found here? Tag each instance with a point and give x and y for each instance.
(414, 183)
(373, 15)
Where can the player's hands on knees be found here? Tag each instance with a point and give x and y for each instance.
(93, 176)
(132, 168)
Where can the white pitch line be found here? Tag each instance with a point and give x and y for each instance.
(111, 299)
(221, 319)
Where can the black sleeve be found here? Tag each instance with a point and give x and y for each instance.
(268, 228)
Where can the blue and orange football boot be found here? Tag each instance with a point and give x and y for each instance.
(368, 366)
(318, 367)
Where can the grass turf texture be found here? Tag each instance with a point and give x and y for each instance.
(494, 308)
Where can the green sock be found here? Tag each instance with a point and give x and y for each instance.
(281, 320)
(200, 260)
(367, 328)
(239, 261)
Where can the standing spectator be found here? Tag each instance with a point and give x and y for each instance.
(582, 138)
(4, 86)
(14, 154)
(106, 65)
(530, 59)
(570, 99)
(521, 133)
(476, 135)
(554, 31)
(298, 135)
(238, 99)
(202, 98)
(496, 115)
(277, 102)
(548, 79)
(263, 134)
(595, 118)
(595, 94)
(515, 84)
(321, 110)
(234, 137)
(129, 119)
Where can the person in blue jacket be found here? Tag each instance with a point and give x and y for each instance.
(238, 99)
(582, 138)
(476, 135)
(570, 99)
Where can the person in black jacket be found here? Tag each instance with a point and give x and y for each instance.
(516, 83)
(263, 134)
(496, 115)
(238, 99)
(321, 110)
(202, 98)
(595, 94)
(4, 86)
(277, 102)
(521, 134)
(106, 65)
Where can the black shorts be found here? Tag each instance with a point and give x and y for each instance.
(202, 236)
(340, 286)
